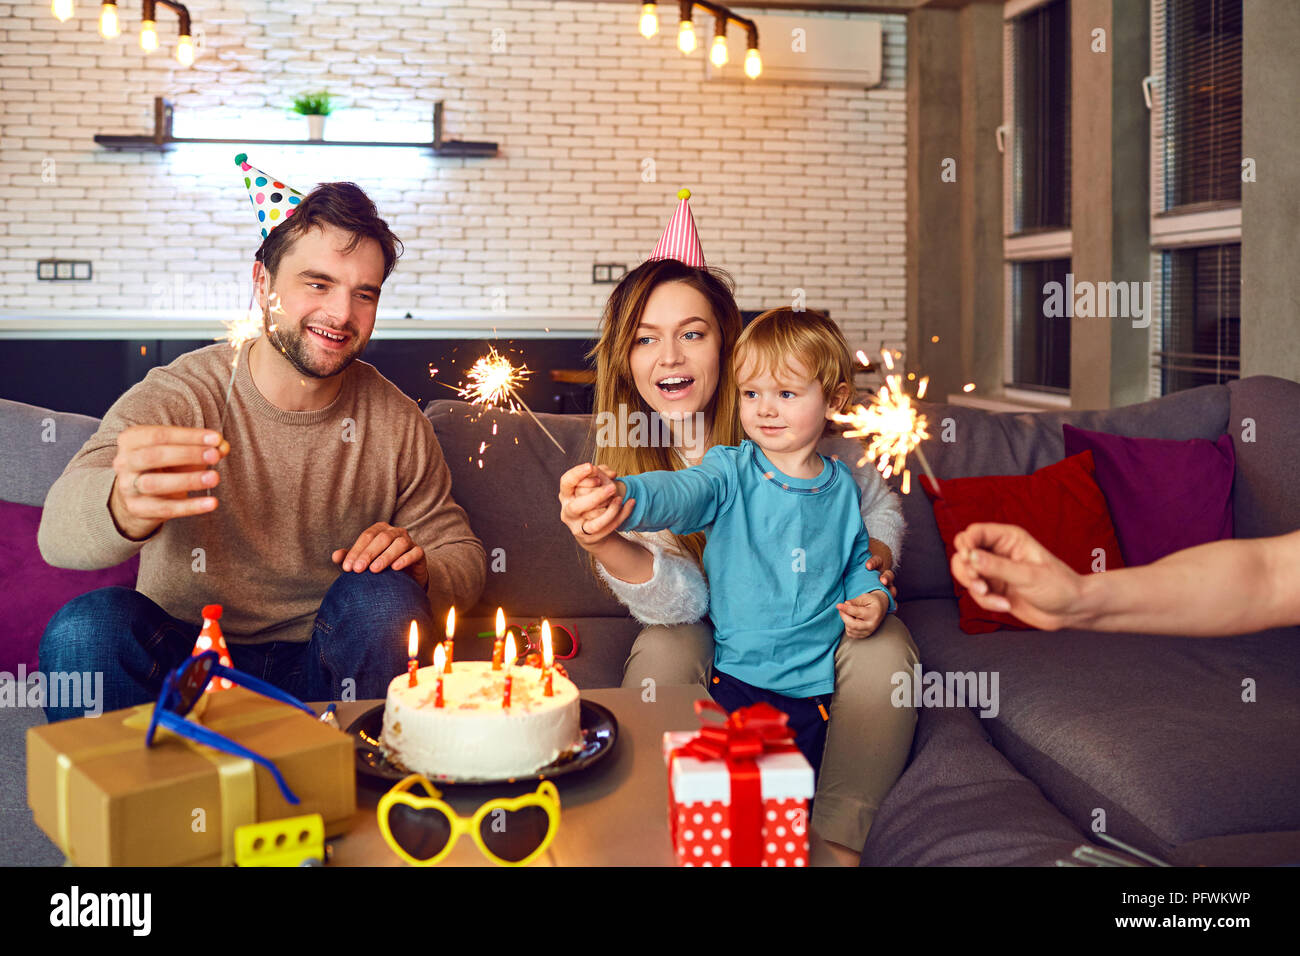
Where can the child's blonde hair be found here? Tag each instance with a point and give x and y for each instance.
(779, 336)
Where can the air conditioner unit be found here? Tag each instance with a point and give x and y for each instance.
(821, 50)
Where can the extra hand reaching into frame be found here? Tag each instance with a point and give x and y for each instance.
(1006, 569)
(864, 613)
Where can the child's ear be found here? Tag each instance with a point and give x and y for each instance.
(839, 400)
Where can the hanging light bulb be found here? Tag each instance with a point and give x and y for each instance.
(62, 9)
(148, 36)
(185, 50)
(718, 52)
(109, 28)
(686, 36)
(753, 63)
(649, 20)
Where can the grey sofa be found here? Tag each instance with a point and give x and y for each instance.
(1148, 729)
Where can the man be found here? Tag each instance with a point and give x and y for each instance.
(1217, 589)
(323, 522)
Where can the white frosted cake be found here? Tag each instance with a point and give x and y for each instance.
(472, 736)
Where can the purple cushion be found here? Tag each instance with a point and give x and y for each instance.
(33, 590)
(1164, 495)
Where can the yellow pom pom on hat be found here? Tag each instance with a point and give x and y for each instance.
(272, 200)
(680, 240)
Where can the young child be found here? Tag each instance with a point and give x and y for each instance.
(785, 540)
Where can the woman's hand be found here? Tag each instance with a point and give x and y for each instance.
(590, 505)
(874, 563)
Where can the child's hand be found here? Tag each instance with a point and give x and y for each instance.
(600, 477)
(589, 504)
(863, 614)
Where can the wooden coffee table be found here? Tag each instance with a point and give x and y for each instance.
(612, 814)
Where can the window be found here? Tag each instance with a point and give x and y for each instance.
(1040, 70)
(1200, 330)
(1040, 345)
(1195, 192)
(1201, 121)
(1036, 219)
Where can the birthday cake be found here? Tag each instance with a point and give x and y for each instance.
(473, 736)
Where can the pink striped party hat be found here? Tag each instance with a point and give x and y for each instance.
(273, 201)
(680, 240)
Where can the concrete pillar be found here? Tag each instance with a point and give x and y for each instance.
(983, 310)
(1109, 188)
(934, 239)
(1270, 206)
(954, 248)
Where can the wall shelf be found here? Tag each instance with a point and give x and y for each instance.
(163, 140)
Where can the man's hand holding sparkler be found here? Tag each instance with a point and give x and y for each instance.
(157, 467)
(1006, 569)
(381, 546)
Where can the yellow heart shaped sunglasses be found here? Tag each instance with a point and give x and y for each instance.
(509, 831)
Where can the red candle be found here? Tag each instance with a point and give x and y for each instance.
(412, 651)
(439, 656)
(451, 640)
(510, 660)
(548, 658)
(498, 648)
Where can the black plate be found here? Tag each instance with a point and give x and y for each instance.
(599, 733)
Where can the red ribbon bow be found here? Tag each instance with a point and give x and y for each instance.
(740, 739)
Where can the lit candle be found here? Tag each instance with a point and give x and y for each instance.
(412, 654)
(548, 658)
(451, 640)
(439, 656)
(510, 660)
(498, 647)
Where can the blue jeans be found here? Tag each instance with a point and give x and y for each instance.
(358, 637)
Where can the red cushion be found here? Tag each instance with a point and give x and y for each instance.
(1060, 505)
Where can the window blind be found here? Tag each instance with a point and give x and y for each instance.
(1040, 345)
(1201, 103)
(1200, 326)
(1040, 67)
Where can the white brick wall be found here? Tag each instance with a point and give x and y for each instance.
(792, 186)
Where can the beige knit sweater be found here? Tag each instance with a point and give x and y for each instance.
(295, 487)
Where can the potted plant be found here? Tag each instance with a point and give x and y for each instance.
(314, 106)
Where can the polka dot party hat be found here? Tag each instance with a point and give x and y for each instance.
(680, 240)
(211, 639)
(272, 200)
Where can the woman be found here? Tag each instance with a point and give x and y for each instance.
(665, 349)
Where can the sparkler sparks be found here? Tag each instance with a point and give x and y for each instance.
(491, 383)
(896, 428)
(241, 331)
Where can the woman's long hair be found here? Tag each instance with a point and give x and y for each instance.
(615, 386)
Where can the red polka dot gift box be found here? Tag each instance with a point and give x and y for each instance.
(738, 790)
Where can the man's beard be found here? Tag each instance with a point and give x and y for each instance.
(293, 345)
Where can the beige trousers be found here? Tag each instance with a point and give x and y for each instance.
(867, 740)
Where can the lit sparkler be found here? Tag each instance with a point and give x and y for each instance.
(896, 428)
(491, 383)
(239, 332)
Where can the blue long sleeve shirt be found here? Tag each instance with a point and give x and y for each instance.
(781, 552)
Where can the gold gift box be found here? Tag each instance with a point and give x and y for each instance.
(107, 800)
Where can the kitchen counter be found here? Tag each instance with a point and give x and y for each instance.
(391, 324)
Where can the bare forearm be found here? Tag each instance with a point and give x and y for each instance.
(624, 559)
(1215, 589)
